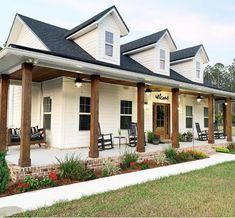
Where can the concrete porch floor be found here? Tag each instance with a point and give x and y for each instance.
(42, 156)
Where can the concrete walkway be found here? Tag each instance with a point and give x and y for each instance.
(47, 197)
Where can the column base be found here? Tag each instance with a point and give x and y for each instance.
(93, 154)
(175, 145)
(24, 163)
(211, 141)
(142, 149)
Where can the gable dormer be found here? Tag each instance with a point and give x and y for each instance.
(152, 51)
(22, 34)
(190, 62)
(100, 35)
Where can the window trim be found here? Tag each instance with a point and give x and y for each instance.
(163, 60)
(187, 116)
(108, 44)
(123, 114)
(47, 112)
(198, 70)
(83, 113)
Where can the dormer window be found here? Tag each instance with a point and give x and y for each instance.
(108, 43)
(162, 59)
(198, 69)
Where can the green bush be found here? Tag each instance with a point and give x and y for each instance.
(4, 172)
(171, 155)
(184, 156)
(197, 154)
(150, 136)
(129, 157)
(160, 159)
(110, 169)
(222, 149)
(231, 146)
(71, 167)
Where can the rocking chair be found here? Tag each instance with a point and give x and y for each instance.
(105, 141)
(132, 135)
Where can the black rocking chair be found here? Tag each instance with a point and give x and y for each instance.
(105, 141)
(217, 133)
(132, 135)
(202, 134)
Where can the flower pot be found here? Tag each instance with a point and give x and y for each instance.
(156, 141)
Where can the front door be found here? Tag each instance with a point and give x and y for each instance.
(161, 120)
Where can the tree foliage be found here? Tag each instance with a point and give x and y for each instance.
(220, 76)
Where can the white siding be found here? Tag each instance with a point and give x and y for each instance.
(14, 106)
(53, 89)
(27, 38)
(89, 42)
(147, 58)
(185, 68)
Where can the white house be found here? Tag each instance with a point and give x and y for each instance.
(120, 83)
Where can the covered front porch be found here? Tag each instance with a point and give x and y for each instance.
(42, 70)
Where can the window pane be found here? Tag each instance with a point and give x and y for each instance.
(109, 37)
(47, 121)
(47, 104)
(109, 50)
(84, 105)
(162, 64)
(84, 122)
(125, 122)
(189, 122)
(189, 111)
(126, 107)
(205, 111)
(162, 54)
(205, 122)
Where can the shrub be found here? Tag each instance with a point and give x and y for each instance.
(198, 154)
(4, 172)
(184, 156)
(222, 149)
(145, 164)
(160, 159)
(231, 146)
(150, 136)
(110, 169)
(71, 167)
(129, 157)
(181, 137)
(171, 155)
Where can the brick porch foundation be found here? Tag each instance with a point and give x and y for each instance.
(18, 173)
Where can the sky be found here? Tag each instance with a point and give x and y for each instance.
(190, 22)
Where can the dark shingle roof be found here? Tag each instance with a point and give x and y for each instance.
(147, 40)
(92, 20)
(184, 53)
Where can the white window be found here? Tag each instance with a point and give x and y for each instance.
(189, 117)
(108, 43)
(198, 69)
(162, 59)
(47, 103)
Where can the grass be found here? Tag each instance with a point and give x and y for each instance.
(207, 192)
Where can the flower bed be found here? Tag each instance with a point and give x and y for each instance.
(226, 149)
(73, 170)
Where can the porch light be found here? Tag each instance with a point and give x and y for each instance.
(199, 99)
(78, 82)
(148, 91)
(225, 103)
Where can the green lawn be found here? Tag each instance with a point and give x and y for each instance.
(233, 130)
(207, 192)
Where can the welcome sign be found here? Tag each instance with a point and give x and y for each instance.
(161, 97)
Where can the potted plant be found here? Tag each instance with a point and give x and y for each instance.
(189, 136)
(156, 139)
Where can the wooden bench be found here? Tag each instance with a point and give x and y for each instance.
(37, 137)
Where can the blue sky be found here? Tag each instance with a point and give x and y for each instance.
(191, 22)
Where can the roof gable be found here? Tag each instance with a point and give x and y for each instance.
(96, 19)
(146, 41)
(188, 53)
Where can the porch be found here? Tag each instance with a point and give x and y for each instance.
(44, 157)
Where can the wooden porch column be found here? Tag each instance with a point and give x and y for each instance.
(224, 119)
(228, 119)
(25, 160)
(211, 139)
(4, 85)
(175, 118)
(140, 118)
(94, 123)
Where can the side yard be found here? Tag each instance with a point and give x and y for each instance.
(207, 192)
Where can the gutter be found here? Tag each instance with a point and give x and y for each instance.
(90, 68)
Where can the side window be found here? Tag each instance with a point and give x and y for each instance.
(189, 117)
(109, 43)
(162, 59)
(125, 114)
(47, 103)
(205, 117)
(198, 70)
(84, 113)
